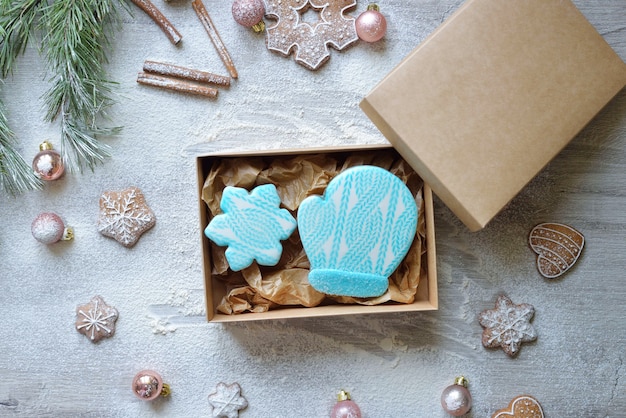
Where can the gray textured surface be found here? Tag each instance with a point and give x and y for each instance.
(394, 365)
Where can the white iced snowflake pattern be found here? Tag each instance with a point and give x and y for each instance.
(124, 216)
(508, 325)
(227, 401)
(96, 319)
(252, 226)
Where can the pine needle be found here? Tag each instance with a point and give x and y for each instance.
(75, 43)
(16, 176)
(17, 23)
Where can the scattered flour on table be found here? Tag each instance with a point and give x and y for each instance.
(161, 326)
(183, 307)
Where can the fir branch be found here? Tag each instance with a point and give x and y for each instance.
(17, 23)
(75, 42)
(16, 176)
(81, 141)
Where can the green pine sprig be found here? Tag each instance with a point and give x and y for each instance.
(76, 40)
(76, 37)
(18, 20)
(16, 176)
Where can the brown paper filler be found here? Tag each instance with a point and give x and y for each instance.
(259, 288)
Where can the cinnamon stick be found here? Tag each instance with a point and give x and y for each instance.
(186, 73)
(155, 14)
(204, 17)
(175, 85)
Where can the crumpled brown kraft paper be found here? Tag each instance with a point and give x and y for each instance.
(260, 288)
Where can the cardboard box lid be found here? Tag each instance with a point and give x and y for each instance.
(487, 100)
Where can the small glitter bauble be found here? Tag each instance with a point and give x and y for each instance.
(371, 25)
(456, 399)
(148, 385)
(345, 408)
(48, 228)
(249, 13)
(48, 164)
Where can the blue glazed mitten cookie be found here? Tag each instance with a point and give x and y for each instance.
(357, 234)
(251, 226)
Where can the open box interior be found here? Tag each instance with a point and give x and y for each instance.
(216, 289)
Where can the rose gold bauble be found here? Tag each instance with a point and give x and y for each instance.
(371, 25)
(456, 399)
(249, 13)
(148, 385)
(48, 164)
(345, 408)
(48, 228)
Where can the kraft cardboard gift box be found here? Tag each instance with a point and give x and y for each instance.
(215, 288)
(486, 101)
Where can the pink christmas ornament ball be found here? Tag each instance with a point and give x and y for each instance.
(456, 399)
(48, 164)
(48, 228)
(248, 12)
(371, 25)
(345, 408)
(148, 385)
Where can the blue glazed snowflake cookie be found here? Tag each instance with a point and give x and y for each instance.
(251, 226)
(357, 234)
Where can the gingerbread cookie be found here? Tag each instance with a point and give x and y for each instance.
(96, 319)
(125, 215)
(523, 406)
(558, 247)
(507, 326)
(310, 40)
(227, 401)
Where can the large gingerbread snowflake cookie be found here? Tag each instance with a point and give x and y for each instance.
(310, 39)
(125, 215)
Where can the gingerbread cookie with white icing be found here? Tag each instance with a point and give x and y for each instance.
(96, 319)
(507, 326)
(125, 215)
(523, 406)
(558, 247)
(310, 40)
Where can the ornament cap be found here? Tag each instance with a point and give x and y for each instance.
(45, 146)
(166, 390)
(461, 381)
(374, 7)
(343, 396)
(68, 234)
(259, 27)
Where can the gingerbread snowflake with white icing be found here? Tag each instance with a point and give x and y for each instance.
(310, 40)
(507, 326)
(125, 215)
(96, 319)
(227, 401)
